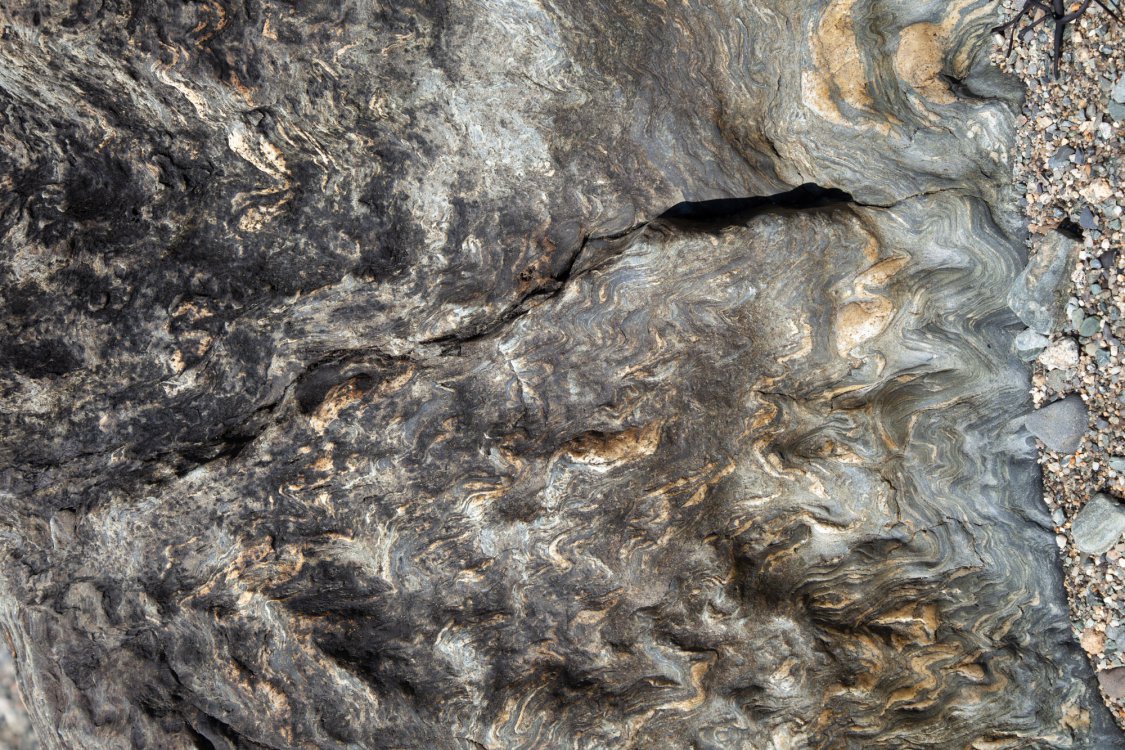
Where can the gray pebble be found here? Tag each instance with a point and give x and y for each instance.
(1029, 343)
(1112, 682)
(1057, 381)
(1038, 295)
(1089, 326)
(1059, 425)
(1086, 219)
(1099, 525)
(1061, 158)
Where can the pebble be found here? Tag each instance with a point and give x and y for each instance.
(1060, 355)
(1061, 157)
(1089, 326)
(1038, 295)
(1029, 344)
(1099, 525)
(1092, 641)
(1112, 682)
(1060, 425)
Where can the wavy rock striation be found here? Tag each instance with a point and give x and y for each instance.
(425, 375)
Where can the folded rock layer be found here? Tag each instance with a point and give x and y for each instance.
(445, 374)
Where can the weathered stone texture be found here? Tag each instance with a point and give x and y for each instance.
(355, 393)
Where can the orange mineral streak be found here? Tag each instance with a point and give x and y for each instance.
(838, 74)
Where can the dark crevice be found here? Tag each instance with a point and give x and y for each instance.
(718, 212)
(737, 210)
(452, 342)
(960, 88)
(1070, 229)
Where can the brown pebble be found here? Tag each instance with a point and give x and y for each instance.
(1113, 682)
(1093, 643)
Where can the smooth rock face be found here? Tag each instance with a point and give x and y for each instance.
(1039, 295)
(1098, 525)
(1061, 424)
(355, 394)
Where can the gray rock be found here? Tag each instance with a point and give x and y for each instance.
(1089, 326)
(1117, 463)
(1060, 425)
(1086, 218)
(1038, 297)
(1059, 380)
(452, 374)
(1112, 682)
(1028, 344)
(1060, 355)
(1061, 158)
(1099, 525)
(1118, 93)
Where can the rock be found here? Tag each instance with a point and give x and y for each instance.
(1089, 326)
(1117, 463)
(1086, 219)
(1060, 425)
(1118, 92)
(1061, 158)
(1029, 343)
(552, 375)
(1099, 525)
(1092, 641)
(1059, 380)
(1099, 190)
(1038, 297)
(1060, 355)
(1112, 682)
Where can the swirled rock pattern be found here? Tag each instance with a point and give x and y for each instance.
(358, 393)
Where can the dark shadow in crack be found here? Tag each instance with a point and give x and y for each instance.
(737, 210)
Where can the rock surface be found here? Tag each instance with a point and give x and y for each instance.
(356, 394)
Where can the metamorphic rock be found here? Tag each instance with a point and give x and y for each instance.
(520, 374)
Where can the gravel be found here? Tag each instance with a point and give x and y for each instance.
(1070, 165)
(16, 732)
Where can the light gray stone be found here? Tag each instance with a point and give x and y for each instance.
(1060, 425)
(1038, 297)
(1029, 343)
(1060, 355)
(1098, 525)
